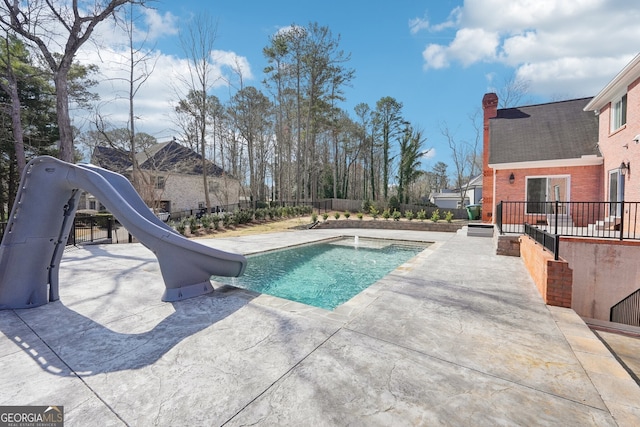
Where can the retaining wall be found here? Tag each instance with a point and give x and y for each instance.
(554, 279)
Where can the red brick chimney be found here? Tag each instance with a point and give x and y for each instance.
(490, 108)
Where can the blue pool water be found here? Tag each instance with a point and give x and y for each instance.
(325, 274)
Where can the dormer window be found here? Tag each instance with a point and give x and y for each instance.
(619, 113)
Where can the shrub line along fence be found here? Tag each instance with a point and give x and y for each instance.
(321, 206)
(546, 221)
(88, 229)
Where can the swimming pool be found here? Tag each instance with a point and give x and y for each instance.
(324, 274)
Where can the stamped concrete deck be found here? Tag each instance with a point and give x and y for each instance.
(458, 336)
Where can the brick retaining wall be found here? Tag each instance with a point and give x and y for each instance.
(554, 279)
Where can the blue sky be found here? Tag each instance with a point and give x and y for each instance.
(437, 58)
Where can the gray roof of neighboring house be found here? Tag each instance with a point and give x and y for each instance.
(557, 130)
(163, 157)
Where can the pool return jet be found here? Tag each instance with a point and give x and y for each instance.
(41, 220)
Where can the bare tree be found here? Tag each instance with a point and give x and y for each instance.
(197, 43)
(514, 91)
(464, 154)
(58, 30)
(140, 63)
(250, 111)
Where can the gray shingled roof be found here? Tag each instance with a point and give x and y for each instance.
(166, 157)
(557, 130)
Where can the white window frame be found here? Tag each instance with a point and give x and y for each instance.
(618, 112)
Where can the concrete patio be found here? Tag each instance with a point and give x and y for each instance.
(458, 336)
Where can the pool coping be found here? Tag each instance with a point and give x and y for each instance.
(346, 311)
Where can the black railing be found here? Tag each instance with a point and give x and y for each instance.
(608, 220)
(85, 229)
(91, 229)
(549, 241)
(627, 311)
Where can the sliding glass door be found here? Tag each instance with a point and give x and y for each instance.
(544, 189)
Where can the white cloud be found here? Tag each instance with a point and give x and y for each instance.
(418, 24)
(422, 24)
(231, 66)
(473, 45)
(160, 25)
(428, 154)
(157, 97)
(435, 56)
(469, 46)
(574, 46)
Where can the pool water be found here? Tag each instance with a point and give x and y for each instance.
(324, 274)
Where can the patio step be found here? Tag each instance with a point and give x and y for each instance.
(480, 229)
(563, 220)
(608, 223)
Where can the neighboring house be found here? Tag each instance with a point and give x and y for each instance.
(170, 177)
(617, 107)
(448, 200)
(539, 153)
(474, 190)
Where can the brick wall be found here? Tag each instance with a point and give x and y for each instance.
(554, 279)
(618, 146)
(585, 183)
(507, 245)
(490, 108)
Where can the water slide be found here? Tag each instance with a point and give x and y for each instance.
(42, 217)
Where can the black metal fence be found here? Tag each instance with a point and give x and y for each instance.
(627, 311)
(91, 229)
(608, 220)
(85, 229)
(549, 241)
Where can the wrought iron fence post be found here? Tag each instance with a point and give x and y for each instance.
(556, 244)
(556, 214)
(109, 228)
(621, 220)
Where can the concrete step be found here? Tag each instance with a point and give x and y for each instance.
(563, 220)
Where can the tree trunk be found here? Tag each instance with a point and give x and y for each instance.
(65, 144)
(16, 123)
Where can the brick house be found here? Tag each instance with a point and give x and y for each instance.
(597, 273)
(617, 107)
(539, 153)
(171, 177)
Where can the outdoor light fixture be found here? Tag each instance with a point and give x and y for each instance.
(511, 178)
(624, 168)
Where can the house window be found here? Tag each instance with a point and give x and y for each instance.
(214, 186)
(160, 180)
(619, 113)
(543, 191)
